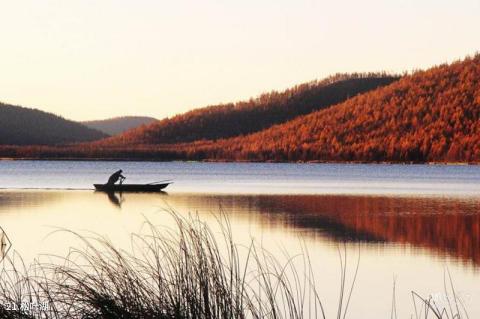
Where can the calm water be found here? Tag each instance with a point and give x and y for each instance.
(410, 222)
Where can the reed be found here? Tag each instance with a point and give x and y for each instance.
(183, 272)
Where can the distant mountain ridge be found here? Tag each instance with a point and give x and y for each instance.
(234, 119)
(119, 125)
(27, 126)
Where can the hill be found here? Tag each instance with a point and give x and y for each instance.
(431, 115)
(119, 125)
(234, 119)
(428, 116)
(26, 126)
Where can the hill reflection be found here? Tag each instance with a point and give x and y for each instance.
(443, 225)
(448, 227)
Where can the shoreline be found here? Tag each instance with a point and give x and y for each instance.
(133, 159)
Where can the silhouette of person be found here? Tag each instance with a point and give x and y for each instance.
(115, 177)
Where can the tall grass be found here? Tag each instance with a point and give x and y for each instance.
(180, 273)
(185, 272)
(429, 307)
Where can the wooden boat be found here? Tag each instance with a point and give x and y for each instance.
(131, 187)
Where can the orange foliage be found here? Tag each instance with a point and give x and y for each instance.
(432, 115)
(234, 119)
(444, 227)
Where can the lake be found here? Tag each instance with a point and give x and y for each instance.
(410, 223)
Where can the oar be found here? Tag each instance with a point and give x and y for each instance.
(166, 180)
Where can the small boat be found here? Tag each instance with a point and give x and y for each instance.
(131, 187)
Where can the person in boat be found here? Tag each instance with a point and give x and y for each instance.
(115, 177)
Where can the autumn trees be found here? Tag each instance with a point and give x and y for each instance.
(432, 115)
(241, 118)
(428, 116)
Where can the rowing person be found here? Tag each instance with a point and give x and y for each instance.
(115, 177)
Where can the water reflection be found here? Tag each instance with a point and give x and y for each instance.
(18, 200)
(114, 199)
(442, 232)
(117, 198)
(444, 227)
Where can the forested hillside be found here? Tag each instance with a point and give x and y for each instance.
(25, 126)
(429, 116)
(119, 125)
(432, 115)
(234, 119)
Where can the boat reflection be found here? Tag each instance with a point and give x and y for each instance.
(118, 198)
(114, 199)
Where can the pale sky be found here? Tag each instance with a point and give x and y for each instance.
(103, 58)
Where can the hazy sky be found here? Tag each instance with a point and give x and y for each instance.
(96, 59)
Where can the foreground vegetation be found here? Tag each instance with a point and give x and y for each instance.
(181, 273)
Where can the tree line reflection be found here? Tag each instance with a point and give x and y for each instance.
(443, 225)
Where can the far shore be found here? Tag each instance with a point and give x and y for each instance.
(134, 159)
